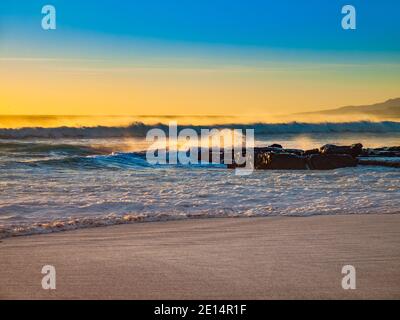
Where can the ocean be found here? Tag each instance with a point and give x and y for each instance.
(63, 178)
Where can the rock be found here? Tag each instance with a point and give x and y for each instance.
(267, 149)
(368, 152)
(310, 152)
(391, 164)
(357, 146)
(326, 158)
(299, 152)
(331, 161)
(276, 145)
(260, 160)
(387, 154)
(285, 161)
(354, 150)
(381, 152)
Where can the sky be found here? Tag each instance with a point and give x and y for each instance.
(219, 57)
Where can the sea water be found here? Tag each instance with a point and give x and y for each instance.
(67, 178)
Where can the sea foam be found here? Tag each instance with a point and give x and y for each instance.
(140, 129)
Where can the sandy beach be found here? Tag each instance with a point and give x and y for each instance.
(237, 258)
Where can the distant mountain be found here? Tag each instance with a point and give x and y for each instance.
(389, 109)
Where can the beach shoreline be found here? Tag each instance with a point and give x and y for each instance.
(227, 258)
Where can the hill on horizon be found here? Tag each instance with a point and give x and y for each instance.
(390, 109)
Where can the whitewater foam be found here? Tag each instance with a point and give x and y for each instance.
(139, 129)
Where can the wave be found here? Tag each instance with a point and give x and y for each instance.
(117, 160)
(45, 148)
(76, 223)
(102, 221)
(139, 129)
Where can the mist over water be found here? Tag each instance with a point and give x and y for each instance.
(78, 121)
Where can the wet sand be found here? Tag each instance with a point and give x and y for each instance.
(231, 258)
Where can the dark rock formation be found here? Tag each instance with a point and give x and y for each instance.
(331, 161)
(381, 152)
(299, 152)
(379, 163)
(354, 150)
(276, 145)
(310, 152)
(286, 161)
(273, 161)
(396, 149)
(260, 160)
(326, 158)
(267, 149)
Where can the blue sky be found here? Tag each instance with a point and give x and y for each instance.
(285, 24)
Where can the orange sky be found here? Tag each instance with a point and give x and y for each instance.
(55, 87)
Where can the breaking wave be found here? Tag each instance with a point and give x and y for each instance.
(112, 161)
(100, 221)
(139, 129)
(44, 148)
(116, 160)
